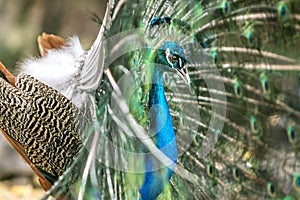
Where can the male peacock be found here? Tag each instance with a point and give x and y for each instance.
(236, 125)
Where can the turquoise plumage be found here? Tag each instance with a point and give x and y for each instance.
(161, 125)
(236, 126)
(221, 77)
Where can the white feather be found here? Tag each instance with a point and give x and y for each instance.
(58, 68)
(72, 71)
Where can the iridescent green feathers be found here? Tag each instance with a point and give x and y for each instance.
(253, 46)
(237, 125)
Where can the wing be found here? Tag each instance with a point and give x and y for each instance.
(41, 124)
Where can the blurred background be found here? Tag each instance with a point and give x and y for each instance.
(20, 24)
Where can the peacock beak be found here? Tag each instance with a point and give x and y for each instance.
(177, 63)
(183, 73)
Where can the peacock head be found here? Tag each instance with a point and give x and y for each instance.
(171, 56)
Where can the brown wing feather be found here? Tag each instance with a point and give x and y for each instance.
(43, 181)
(47, 42)
(46, 185)
(41, 125)
(11, 79)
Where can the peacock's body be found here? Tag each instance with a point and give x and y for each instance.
(235, 117)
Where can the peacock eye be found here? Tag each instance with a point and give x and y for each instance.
(271, 190)
(173, 58)
(296, 181)
(236, 174)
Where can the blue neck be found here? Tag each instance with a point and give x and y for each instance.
(161, 127)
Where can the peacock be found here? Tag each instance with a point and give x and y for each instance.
(175, 100)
